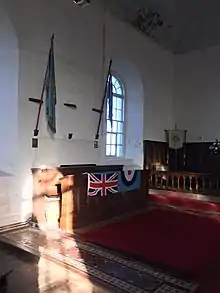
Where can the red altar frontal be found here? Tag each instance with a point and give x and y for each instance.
(77, 196)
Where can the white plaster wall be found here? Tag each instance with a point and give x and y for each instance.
(197, 94)
(156, 69)
(9, 71)
(8, 93)
(78, 53)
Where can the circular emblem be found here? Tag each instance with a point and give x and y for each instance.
(175, 138)
(129, 176)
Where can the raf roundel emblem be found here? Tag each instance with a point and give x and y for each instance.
(129, 175)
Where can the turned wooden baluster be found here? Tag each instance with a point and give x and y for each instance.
(210, 183)
(190, 183)
(156, 180)
(197, 184)
(160, 181)
(167, 181)
(151, 180)
(178, 182)
(172, 182)
(203, 183)
(184, 182)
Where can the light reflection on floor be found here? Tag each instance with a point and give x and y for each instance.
(40, 275)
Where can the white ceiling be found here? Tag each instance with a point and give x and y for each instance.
(188, 24)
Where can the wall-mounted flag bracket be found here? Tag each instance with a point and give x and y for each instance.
(36, 101)
(70, 105)
(97, 110)
(102, 106)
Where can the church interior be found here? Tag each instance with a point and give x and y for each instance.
(110, 166)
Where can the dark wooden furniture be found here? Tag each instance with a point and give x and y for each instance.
(77, 210)
(194, 157)
(187, 182)
(155, 153)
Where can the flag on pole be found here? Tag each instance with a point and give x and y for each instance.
(51, 90)
(110, 98)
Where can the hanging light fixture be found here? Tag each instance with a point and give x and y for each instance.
(82, 3)
(215, 147)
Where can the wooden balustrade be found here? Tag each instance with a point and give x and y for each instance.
(185, 182)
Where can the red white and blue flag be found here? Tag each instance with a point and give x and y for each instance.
(102, 184)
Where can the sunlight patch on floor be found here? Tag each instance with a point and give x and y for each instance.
(55, 278)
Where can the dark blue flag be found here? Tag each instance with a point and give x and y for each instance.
(129, 180)
(110, 99)
(51, 90)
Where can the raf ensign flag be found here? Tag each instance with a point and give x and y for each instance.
(129, 180)
(102, 184)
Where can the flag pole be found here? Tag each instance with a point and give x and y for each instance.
(103, 101)
(36, 130)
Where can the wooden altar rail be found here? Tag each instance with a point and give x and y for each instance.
(185, 182)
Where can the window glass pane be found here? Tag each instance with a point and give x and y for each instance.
(120, 139)
(108, 150)
(113, 138)
(114, 90)
(114, 131)
(116, 84)
(114, 102)
(119, 90)
(114, 114)
(113, 80)
(114, 126)
(113, 150)
(119, 103)
(109, 127)
(119, 151)
(108, 138)
(119, 115)
(120, 127)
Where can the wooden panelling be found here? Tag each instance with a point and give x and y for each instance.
(77, 210)
(155, 152)
(201, 159)
(193, 157)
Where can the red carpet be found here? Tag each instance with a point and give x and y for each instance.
(175, 199)
(178, 240)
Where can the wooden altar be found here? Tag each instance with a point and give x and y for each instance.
(65, 188)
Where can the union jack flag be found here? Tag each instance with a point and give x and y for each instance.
(102, 184)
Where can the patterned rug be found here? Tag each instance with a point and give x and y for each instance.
(115, 272)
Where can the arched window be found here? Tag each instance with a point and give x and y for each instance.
(115, 131)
